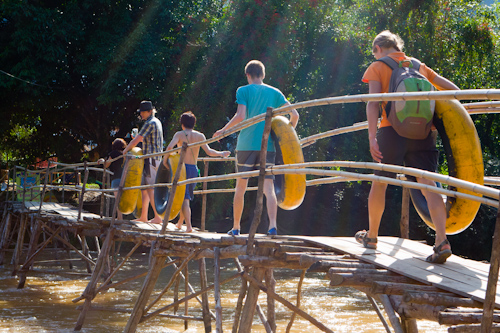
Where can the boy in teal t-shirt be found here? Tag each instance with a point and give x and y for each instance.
(254, 99)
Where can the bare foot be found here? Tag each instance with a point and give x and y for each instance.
(179, 227)
(140, 220)
(189, 230)
(156, 220)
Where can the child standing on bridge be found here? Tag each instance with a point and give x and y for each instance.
(387, 146)
(189, 135)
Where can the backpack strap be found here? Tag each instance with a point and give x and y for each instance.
(393, 64)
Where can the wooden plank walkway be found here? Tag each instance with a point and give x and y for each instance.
(465, 277)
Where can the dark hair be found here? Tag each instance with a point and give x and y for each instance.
(118, 144)
(256, 69)
(188, 119)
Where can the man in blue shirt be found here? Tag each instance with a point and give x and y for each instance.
(254, 99)
(151, 136)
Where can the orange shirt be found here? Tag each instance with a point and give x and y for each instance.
(378, 71)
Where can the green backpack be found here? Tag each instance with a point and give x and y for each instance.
(410, 119)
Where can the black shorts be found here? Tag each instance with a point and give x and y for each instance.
(249, 160)
(397, 150)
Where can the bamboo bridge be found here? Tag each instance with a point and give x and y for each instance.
(462, 294)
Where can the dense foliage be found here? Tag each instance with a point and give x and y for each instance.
(73, 73)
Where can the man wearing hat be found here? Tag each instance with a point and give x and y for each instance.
(151, 136)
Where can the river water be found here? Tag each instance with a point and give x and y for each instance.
(45, 304)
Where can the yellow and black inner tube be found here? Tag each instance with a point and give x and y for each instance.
(162, 194)
(290, 189)
(128, 199)
(465, 161)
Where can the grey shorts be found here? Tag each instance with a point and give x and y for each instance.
(397, 150)
(249, 160)
(149, 173)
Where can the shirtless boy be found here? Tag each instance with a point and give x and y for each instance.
(189, 135)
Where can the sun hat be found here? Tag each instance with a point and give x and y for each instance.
(145, 106)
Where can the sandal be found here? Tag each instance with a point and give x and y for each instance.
(362, 238)
(439, 256)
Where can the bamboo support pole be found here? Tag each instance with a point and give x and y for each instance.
(112, 274)
(404, 222)
(47, 172)
(176, 292)
(271, 307)
(204, 297)
(491, 289)
(204, 197)
(29, 260)
(82, 196)
(24, 185)
(89, 292)
(379, 313)
(68, 244)
(252, 296)
(241, 297)
(286, 303)
(5, 241)
(101, 205)
(178, 271)
(218, 306)
(186, 293)
(262, 173)
(20, 242)
(297, 303)
(191, 296)
(35, 235)
(389, 310)
(264, 320)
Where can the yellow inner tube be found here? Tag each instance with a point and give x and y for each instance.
(128, 199)
(465, 161)
(138, 207)
(162, 194)
(290, 189)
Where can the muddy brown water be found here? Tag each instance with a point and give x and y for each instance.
(45, 304)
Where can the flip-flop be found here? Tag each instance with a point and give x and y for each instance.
(439, 256)
(367, 242)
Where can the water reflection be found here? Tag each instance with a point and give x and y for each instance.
(44, 305)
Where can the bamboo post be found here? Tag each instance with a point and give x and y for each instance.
(379, 313)
(85, 249)
(176, 292)
(101, 207)
(491, 289)
(252, 296)
(386, 302)
(218, 306)
(204, 297)
(186, 294)
(299, 294)
(14, 184)
(204, 198)
(64, 185)
(241, 297)
(19, 244)
(89, 292)
(262, 174)
(4, 242)
(286, 303)
(271, 312)
(82, 197)
(31, 250)
(24, 184)
(404, 223)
